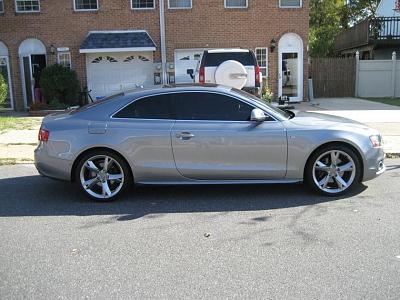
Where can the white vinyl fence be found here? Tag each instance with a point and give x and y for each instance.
(377, 78)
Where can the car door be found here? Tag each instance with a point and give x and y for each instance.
(214, 139)
(141, 131)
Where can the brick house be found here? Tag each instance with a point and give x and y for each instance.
(118, 44)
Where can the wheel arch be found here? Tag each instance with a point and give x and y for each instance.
(341, 143)
(99, 148)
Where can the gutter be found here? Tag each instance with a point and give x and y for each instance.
(163, 46)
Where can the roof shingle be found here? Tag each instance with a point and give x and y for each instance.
(114, 40)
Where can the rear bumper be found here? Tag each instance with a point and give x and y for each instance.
(51, 166)
(374, 164)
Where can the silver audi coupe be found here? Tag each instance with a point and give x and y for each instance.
(203, 135)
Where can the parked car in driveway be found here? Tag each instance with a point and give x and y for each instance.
(203, 135)
(236, 68)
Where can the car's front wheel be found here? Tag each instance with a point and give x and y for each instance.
(102, 175)
(333, 170)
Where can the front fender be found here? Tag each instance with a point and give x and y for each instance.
(302, 143)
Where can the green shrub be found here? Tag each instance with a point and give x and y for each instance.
(266, 93)
(59, 84)
(3, 90)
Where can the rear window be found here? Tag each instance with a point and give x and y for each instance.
(98, 102)
(215, 59)
(152, 107)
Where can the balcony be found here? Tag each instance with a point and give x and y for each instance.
(376, 31)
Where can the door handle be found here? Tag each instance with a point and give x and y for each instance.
(184, 135)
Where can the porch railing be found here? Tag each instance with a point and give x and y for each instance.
(373, 30)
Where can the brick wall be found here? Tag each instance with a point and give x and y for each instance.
(207, 24)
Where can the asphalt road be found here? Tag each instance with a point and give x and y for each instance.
(259, 242)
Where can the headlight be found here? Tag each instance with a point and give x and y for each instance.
(376, 141)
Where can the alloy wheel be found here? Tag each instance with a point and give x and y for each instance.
(102, 177)
(334, 171)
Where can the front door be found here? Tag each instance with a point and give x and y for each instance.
(290, 68)
(214, 139)
(32, 68)
(289, 78)
(28, 80)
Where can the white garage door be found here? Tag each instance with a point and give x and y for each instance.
(110, 73)
(184, 60)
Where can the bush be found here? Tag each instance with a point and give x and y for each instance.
(59, 84)
(266, 93)
(3, 90)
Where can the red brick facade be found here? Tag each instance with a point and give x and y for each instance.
(206, 25)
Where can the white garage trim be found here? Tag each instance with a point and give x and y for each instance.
(114, 50)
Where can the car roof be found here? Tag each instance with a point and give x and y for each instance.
(227, 50)
(175, 88)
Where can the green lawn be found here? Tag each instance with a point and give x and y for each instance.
(391, 101)
(7, 123)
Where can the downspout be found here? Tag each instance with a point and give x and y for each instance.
(163, 46)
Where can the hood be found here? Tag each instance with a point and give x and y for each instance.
(324, 121)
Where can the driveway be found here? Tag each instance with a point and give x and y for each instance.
(385, 118)
(209, 242)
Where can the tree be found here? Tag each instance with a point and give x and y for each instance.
(325, 23)
(60, 84)
(329, 17)
(361, 9)
(3, 90)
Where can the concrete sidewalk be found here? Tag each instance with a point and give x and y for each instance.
(383, 117)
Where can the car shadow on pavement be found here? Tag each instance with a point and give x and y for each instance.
(39, 196)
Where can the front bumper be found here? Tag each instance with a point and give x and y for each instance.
(374, 164)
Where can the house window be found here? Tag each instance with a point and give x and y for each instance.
(64, 59)
(27, 5)
(142, 4)
(1, 6)
(236, 3)
(97, 60)
(179, 4)
(290, 3)
(262, 59)
(86, 4)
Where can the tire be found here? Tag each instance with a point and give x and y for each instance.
(94, 179)
(333, 170)
(231, 73)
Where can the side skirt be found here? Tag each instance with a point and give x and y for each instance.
(216, 182)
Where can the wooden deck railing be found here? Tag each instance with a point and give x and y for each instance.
(368, 31)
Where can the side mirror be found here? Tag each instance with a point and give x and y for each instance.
(190, 72)
(257, 115)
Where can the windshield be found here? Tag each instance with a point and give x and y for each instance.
(266, 105)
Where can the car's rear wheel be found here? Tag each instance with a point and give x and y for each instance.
(102, 175)
(333, 170)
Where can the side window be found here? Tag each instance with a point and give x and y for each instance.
(154, 107)
(210, 106)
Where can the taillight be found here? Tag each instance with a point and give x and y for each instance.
(257, 76)
(43, 135)
(202, 76)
